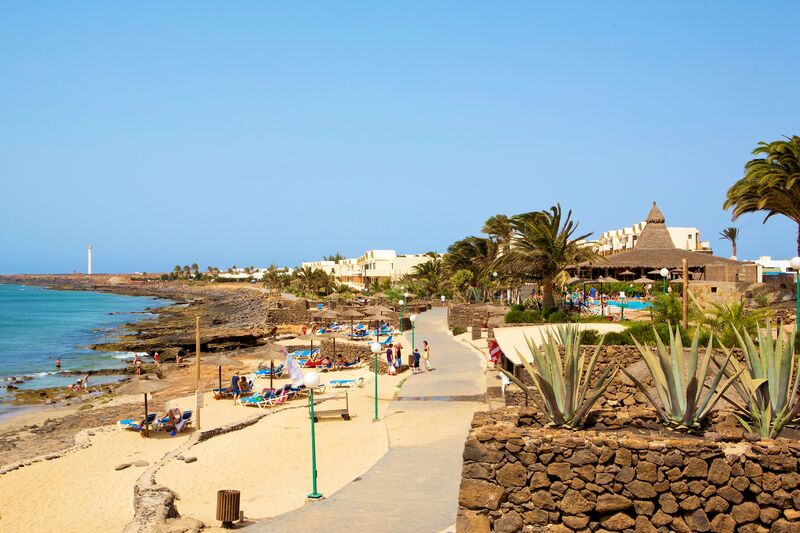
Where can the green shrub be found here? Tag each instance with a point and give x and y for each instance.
(558, 317)
(458, 330)
(518, 317)
(590, 336)
(667, 309)
(517, 307)
(645, 333)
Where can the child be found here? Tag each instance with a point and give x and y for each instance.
(416, 360)
(390, 360)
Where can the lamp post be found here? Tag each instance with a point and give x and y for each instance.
(311, 381)
(402, 304)
(622, 301)
(795, 264)
(494, 278)
(376, 349)
(664, 273)
(412, 318)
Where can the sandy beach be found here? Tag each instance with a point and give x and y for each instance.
(268, 461)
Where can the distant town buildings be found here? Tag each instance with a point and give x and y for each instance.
(374, 266)
(773, 267)
(619, 240)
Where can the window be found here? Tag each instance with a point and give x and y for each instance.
(713, 289)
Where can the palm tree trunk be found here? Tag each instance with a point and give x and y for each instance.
(734, 249)
(548, 302)
(798, 239)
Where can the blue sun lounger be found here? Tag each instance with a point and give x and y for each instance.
(133, 423)
(387, 341)
(339, 383)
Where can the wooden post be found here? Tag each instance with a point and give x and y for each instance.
(685, 293)
(198, 400)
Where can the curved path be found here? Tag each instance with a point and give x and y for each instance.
(414, 487)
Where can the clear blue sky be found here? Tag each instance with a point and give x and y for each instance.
(259, 132)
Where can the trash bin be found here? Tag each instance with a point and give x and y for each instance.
(227, 507)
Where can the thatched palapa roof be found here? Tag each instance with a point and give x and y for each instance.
(655, 249)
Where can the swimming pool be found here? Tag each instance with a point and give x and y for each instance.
(634, 305)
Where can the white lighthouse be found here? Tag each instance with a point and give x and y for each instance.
(89, 267)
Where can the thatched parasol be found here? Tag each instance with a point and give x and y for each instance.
(655, 272)
(329, 315)
(627, 273)
(143, 386)
(642, 280)
(221, 360)
(352, 314)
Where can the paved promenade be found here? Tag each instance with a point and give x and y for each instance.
(414, 487)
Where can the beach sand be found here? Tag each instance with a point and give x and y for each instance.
(269, 462)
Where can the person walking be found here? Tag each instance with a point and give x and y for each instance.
(426, 354)
(417, 357)
(390, 360)
(398, 355)
(235, 386)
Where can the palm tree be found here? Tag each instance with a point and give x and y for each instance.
(543, 245)
(430, 275)
(730, 234)
(499, 227)
(770, 183)
(475, 254)
(195, 269)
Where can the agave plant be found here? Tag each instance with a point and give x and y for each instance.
(769, 383)
(680, 380)
(561, 385)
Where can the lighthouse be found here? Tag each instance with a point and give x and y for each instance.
(89, 266)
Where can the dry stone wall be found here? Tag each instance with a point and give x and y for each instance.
(526, 478)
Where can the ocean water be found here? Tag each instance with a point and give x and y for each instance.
(38, 325)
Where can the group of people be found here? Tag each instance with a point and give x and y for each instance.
(394, 358)
(240, 385)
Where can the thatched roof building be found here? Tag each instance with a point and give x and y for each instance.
(655, 250)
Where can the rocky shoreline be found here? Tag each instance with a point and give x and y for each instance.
(232, 317)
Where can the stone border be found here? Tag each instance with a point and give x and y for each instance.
(81, 442)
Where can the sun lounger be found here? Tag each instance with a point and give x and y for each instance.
(346, 383)
(387, 341)
(265, 373)
(135, 424)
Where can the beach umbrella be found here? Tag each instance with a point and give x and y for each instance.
(601, 280)
(143, 386)
(574, 279)
(642, 280)
(352, 314)
(627, 273)
(275, 351)
(221, 360)
(655, 272)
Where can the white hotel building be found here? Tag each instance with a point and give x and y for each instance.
(372, 267)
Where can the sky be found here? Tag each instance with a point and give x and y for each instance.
(252, 133)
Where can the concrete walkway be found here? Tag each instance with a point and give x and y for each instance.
(414, 487)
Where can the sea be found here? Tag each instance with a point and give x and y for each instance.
(39, 325)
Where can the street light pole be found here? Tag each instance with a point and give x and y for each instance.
(795, 264)
(402, 304)
(664, 273)
(413, 319)
(311, 381)
(376, 348)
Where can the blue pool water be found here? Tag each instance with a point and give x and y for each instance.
(634, 305)
(38, 325)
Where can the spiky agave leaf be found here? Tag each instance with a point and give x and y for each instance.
(681, 382)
